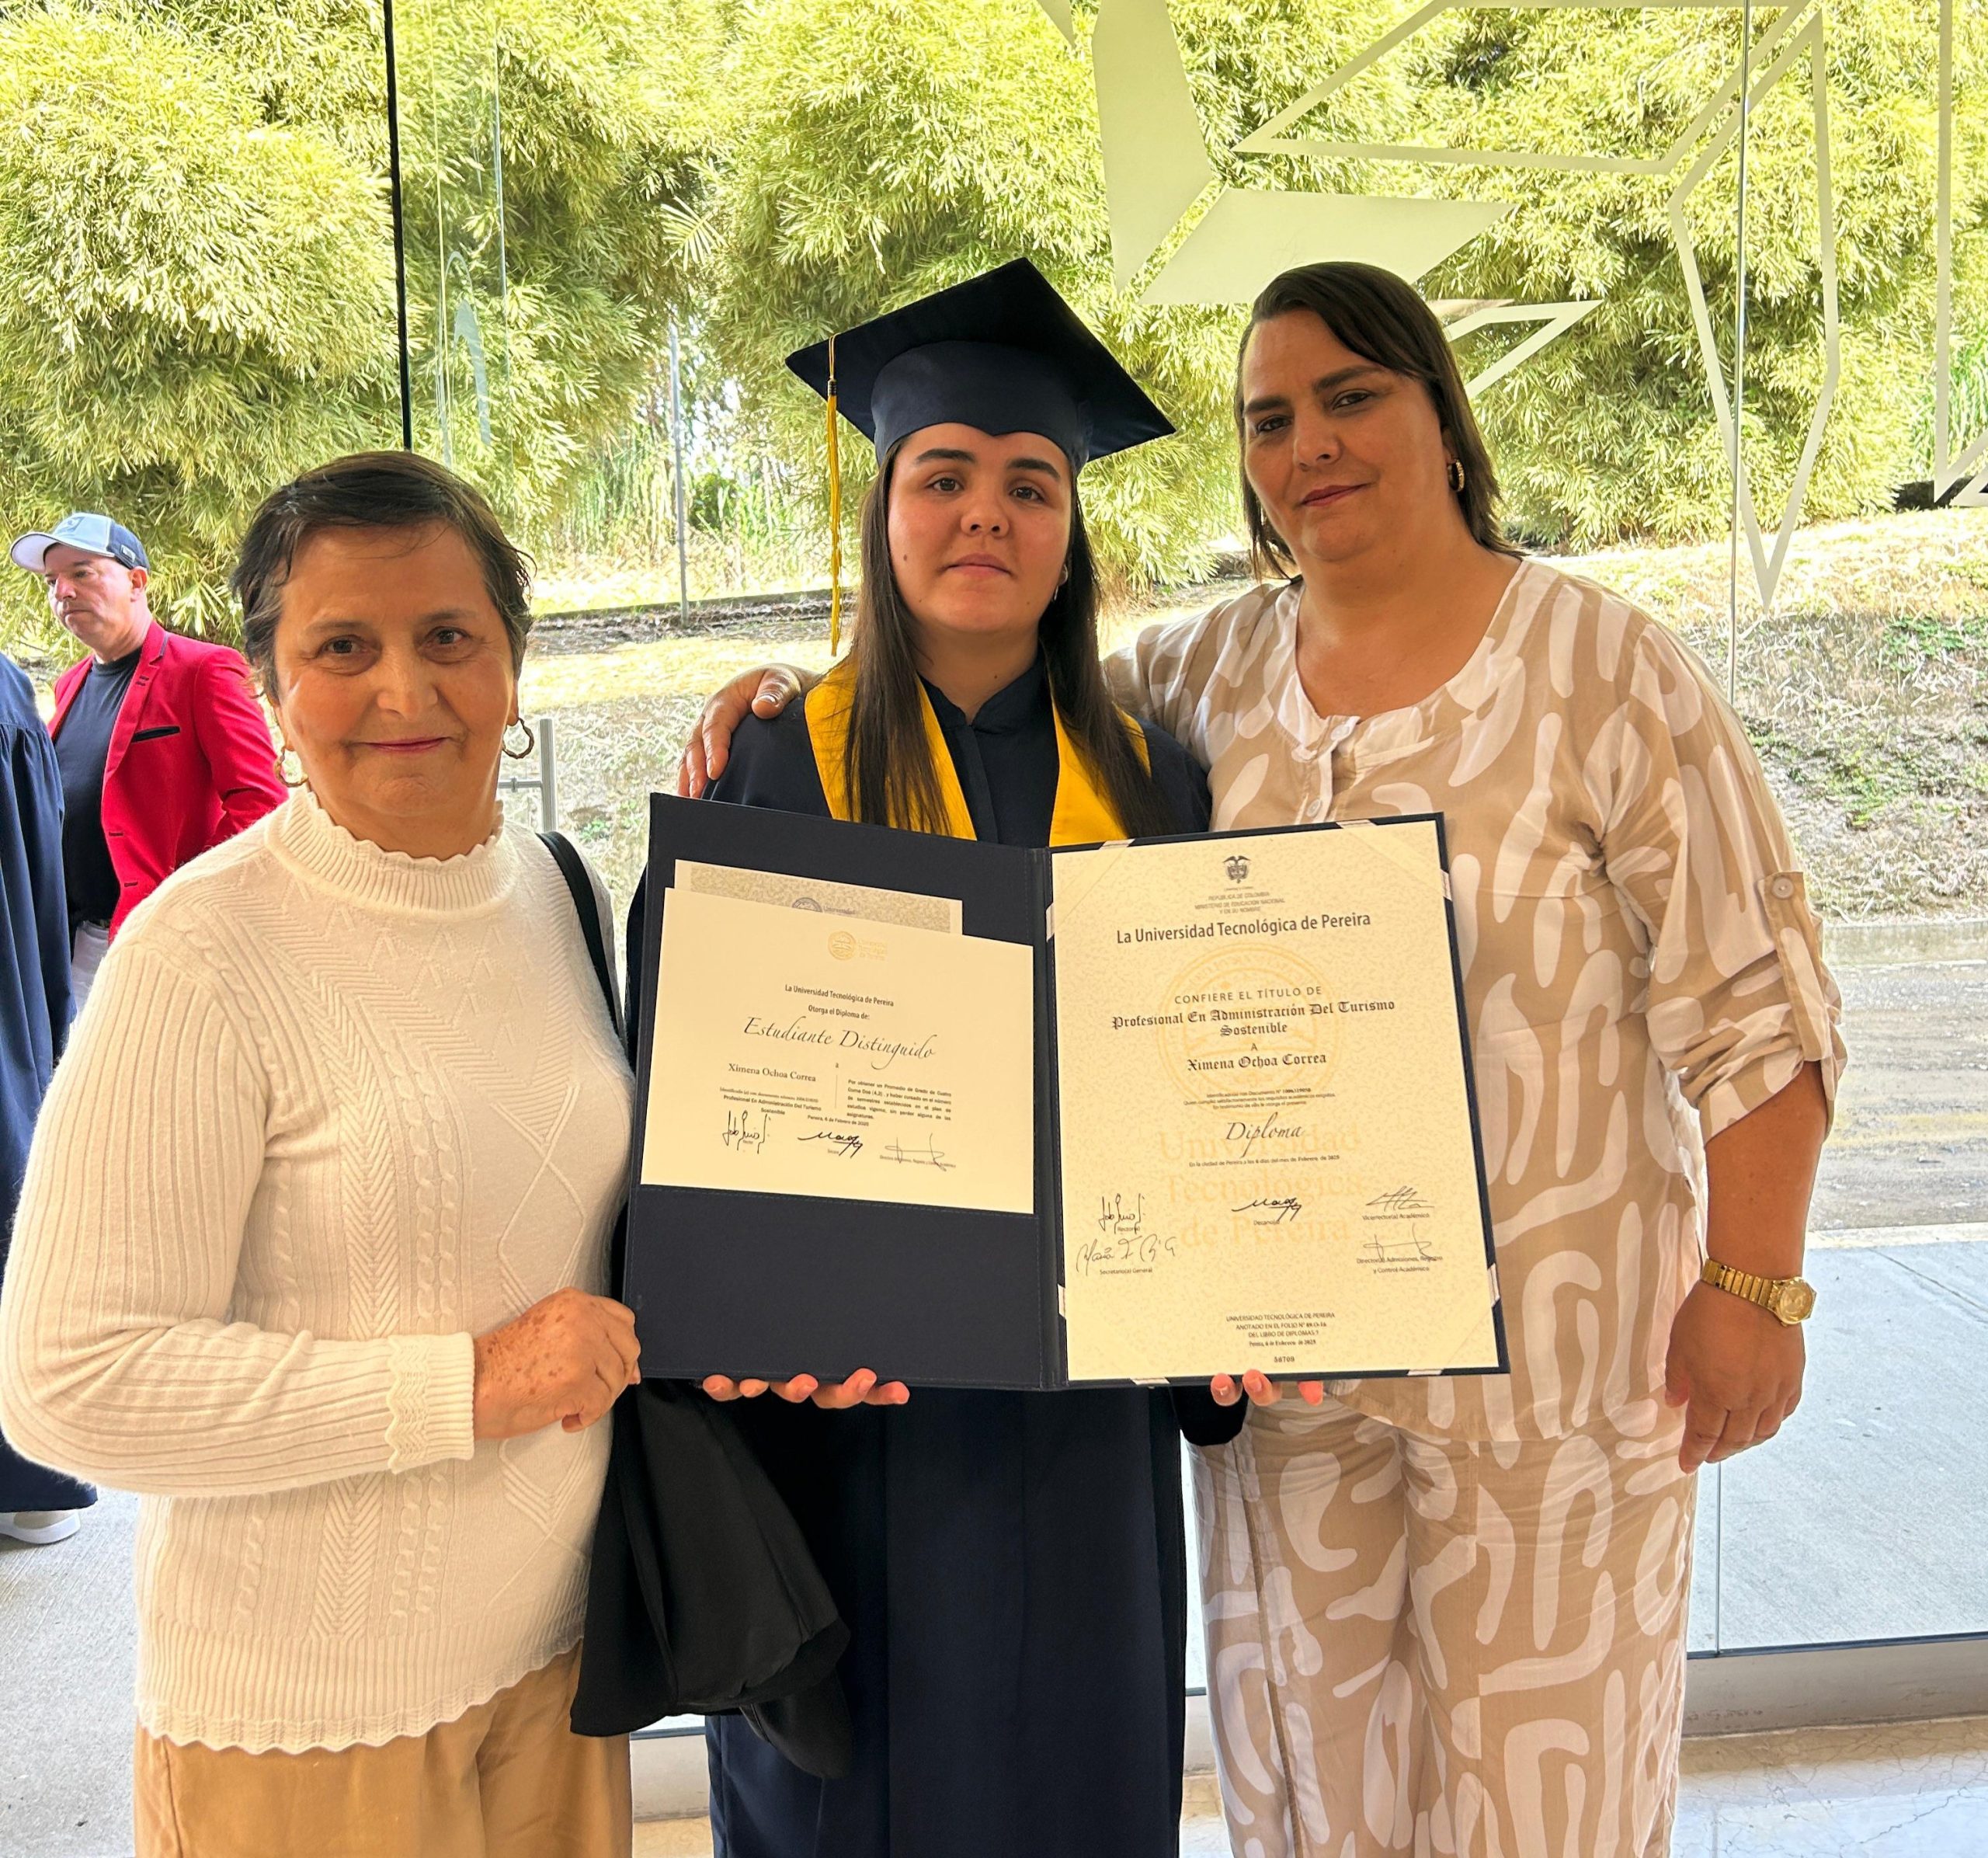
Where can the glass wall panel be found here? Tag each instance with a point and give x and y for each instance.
(1862, 671)
(196, 302)
(452, 155)
(1664, 237)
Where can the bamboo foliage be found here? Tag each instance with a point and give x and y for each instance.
(196, 279)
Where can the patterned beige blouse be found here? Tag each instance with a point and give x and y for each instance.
(1640, 964)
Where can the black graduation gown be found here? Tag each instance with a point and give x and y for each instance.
(1012, 1566)
(34, 999)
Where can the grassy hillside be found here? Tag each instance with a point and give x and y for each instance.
(1866, 694)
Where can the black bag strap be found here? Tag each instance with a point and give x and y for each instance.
(586, 906)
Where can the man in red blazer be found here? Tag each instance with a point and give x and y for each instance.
(163, 748)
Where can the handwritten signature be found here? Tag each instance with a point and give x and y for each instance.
(1126, 1240)
(1403, 1199)
(841, 1143)
(1124, 1248)
(1415, 1250)
(1272, 1212)
(745, 1135)
(1114, 1216)
(927, 1157)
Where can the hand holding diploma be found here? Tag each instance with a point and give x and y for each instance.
(862, 1388)
(1261, 1390)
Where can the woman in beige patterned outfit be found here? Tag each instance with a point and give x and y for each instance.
(1448, 1615)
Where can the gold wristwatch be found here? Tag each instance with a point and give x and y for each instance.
(1788, 1299)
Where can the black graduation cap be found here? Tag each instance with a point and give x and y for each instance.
(1002, 352)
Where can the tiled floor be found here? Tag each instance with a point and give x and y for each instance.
(1906, 1790)
(1900, 1791)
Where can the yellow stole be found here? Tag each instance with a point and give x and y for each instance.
(1083, 814)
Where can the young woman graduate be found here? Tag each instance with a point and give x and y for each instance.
(1011, 1565)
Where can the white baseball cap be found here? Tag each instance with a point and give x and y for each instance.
(86, 529)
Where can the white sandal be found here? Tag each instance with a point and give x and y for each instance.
(39, 1528)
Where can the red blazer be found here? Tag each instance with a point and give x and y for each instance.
(191, 759)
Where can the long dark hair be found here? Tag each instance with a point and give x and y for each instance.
(1383, 320)
(889, 765)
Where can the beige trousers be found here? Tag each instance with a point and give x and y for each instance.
(1444, 1647)
(507, 1779)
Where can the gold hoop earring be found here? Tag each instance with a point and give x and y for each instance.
(1455, 475)
(282, 768)
(531, 741)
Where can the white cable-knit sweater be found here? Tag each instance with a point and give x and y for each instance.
(331, 1113)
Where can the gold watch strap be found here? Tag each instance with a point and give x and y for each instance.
(1788, 1299)
(1747, 1284)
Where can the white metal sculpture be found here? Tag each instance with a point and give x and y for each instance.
(1159, 182)
(1554, 319)
(1161, 186)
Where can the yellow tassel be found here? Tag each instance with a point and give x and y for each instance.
(835, 514)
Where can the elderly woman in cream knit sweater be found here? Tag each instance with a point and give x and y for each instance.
(313, 1233)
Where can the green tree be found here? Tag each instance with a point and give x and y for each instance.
(552, 151)
(196, 289)
(875, 153)
(192, 299)
(1609, 433)
(196, 274)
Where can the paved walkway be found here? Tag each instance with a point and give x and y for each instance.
(1863, 1522)
(66, 1641)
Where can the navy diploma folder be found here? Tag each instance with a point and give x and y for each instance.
(770, 1285)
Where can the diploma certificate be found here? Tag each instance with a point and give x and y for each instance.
(840, 1058)
(1265, 1127)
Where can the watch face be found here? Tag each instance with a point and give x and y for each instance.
(1794, 1302)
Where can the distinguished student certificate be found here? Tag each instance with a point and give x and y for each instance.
(1266, 1131)
(802, 1052)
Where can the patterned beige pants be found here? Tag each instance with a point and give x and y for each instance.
(1444, 1647)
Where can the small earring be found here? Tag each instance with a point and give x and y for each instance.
(1063, 579)
(531, 740)
(282, 768)
(1455, 475)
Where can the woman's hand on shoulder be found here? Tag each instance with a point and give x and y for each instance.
(1261, 1390)
(567, 1358)
(862, 1388)
(765, 690)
